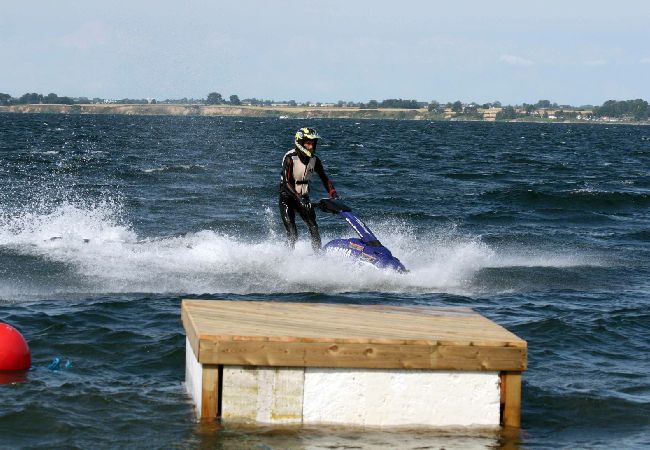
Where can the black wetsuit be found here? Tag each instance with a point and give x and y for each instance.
(294, 194)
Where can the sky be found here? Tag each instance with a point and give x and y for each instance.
(571, 52)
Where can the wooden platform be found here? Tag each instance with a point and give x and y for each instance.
(327, 335)
(281, 334)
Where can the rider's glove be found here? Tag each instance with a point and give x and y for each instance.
(304, 202)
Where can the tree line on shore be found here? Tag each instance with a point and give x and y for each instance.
(638, 109)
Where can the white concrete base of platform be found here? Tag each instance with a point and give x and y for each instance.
(367, 397)
(262, 394)
(389, 397)
(193, 376)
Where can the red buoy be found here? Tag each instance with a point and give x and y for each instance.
(14, 351)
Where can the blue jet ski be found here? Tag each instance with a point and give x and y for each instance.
(367, 247)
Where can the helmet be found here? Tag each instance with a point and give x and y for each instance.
(304, 134)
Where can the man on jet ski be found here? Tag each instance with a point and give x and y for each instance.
(298, 165)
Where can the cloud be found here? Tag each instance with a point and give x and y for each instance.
(516, 60)
(595, 62)
(645, 60)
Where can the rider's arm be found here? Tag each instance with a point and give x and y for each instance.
(324, 178)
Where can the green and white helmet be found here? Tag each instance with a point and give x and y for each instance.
(303, 135)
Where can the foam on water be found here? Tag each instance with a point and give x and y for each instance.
(173, 168)
(105, 255)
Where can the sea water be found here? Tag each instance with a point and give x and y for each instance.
(106, 222)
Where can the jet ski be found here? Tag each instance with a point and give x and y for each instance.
(366, 247)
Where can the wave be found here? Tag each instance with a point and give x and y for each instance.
(90, 248)
(586, 408)
(175, 168)
(570, 200)
(475, 175)
(642, 235)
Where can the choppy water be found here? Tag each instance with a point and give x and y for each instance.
(107, 222)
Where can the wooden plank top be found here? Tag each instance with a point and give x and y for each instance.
(343, 335)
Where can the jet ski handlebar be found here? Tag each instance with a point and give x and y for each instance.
(331, 205)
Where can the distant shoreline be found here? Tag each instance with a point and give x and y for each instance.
(293, 112)
(288, 112)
